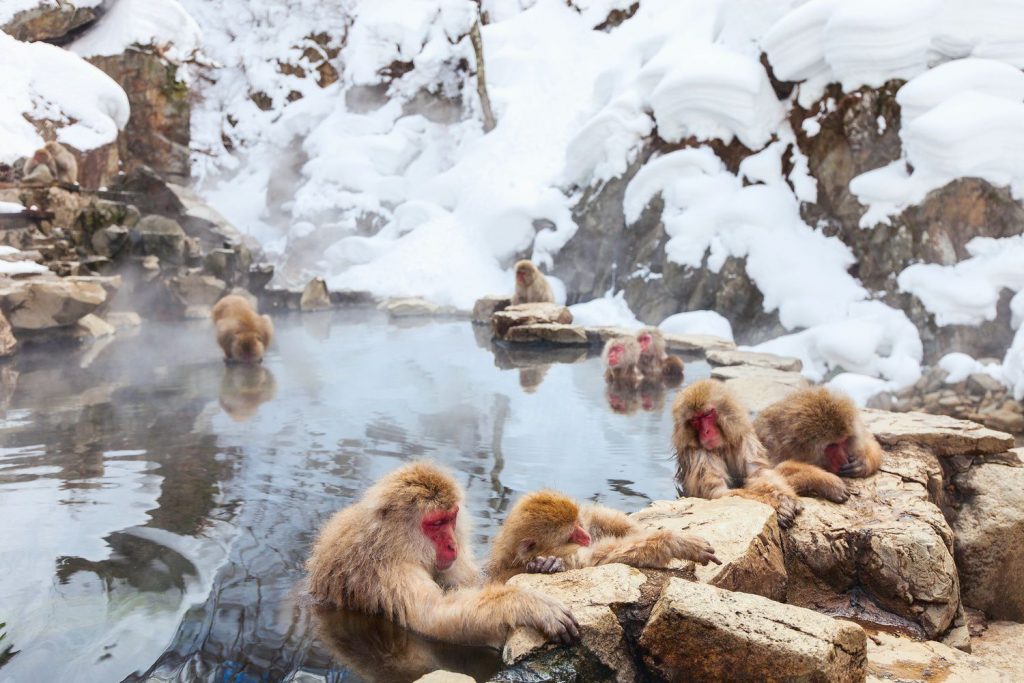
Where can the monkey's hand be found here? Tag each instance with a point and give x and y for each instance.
(854, 467)
(695, 548)
(787, 508)
(545, 565)
(552, 618)
(833, 488)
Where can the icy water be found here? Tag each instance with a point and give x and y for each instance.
(157, 506)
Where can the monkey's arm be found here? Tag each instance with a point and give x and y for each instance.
(867, 457)
(480, 616)
(654, 549)
(807, 479)
(602, 521)
(701, 475)
(764, 484)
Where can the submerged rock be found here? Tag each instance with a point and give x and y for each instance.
(93, 327)
(8, 343)
(699, 632)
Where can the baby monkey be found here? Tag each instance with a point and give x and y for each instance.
(547, 531)
(242, 334)
(531, 285)
(52, 161)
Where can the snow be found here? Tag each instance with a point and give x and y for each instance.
(967, 293)
(960, 366)
(947, 80)
(10, 257)
(858, 387)
(161, 23)
(698, 322)
(47, 83)
(606, 311)
(9, 207)
(1013, 365)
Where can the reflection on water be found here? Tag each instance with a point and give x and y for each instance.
(158, 506)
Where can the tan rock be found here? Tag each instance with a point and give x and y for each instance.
(195, 289)
(589, 593)
(198, 312)
(8, 343)
(697, 342)
(940, 434)
(93, 327)
(315, 296)
(883, 557)
(758, 387)
(42, 302)
(761, 360)
(409, 307)
(989, 529)
(554, 333)
(894, 658)
(484, 308)
(700, 632)
(1000, 647)
(528, 314)
(744, 533)
(600, 335)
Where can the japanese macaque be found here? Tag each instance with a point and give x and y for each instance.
(654, 362)
(401, 552)
(531, 285)
(547, 531)
(815, 434)
(718, 452)
(58, 160)
(621, 356)
(241, 333)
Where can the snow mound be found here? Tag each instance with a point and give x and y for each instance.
(698, 322)
(44, 82)
(945, 81)
(960, 366)
(967, 293)
(1013, 365)
(161, 23)
(607, 311)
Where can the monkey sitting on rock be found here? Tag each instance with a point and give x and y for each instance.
(51, 162)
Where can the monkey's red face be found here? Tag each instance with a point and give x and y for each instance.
(645, 342)
(523, 276)
(579, 535)
(439, 527)
(837, 454)
(615, 354)
(706, 425)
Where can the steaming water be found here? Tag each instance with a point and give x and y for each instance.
(157, 506)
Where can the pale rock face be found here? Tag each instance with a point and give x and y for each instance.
(895, 658)
(759, 387)
(528, 314)
(44, 302)
(699, 632)
(943, 436)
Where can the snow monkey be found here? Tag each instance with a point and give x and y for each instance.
(400, 551)
(654, 362)
(621, 356)
(241, 333)
(57, 159)
(531, 285)
(719, 454)
(547, 531)
(815, 434)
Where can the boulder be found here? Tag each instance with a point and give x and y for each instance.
(892, 657)
(701, 343)
(591, 595)
(999, 647)
(194, 289)
(445, 677)
(528, 314)
(744, 533)
(49, 21)
(123, 320)
(554, 333)
(110, 241)
(484, 308)
(883, 557)
(161, 237)
(93, 327)
(600, 335)
(315, 296)
(43, 302)
(8, 344)
(758, 387)
(753, 358)
(989, 527)
(941, 435)
(700, 632)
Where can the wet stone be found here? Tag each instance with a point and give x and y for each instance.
(315, 296)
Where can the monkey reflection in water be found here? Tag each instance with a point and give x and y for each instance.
(649, 395)
(244, 388)
(378, 650)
